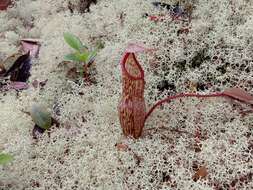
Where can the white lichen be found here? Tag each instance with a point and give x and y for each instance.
(81, 153)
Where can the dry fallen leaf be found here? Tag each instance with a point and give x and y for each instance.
(18, 85)
(20, 69)
(2, 69)
(239, 94)
(121, 147)
(37, 83)
(9, 61)
(201, 173)
(31, 45)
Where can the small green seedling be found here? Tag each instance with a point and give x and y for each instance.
(41, 117)
(5, 158)
(81, 55)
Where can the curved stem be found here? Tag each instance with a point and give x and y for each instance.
(182, 96)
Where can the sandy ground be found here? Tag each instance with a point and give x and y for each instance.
(179, 138)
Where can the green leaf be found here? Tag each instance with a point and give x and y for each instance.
(79, 57)
(5, 158)
(41, 116)
(83, 56)
(71, 57)
(84, 49)
(73, 41)
(91, 56)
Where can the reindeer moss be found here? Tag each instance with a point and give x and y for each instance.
(178, 138)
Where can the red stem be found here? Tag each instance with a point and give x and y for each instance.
(182, 96)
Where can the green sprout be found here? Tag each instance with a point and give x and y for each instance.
(81, 55)
(5, 158)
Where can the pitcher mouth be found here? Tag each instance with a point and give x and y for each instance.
(140, 75)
